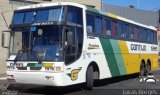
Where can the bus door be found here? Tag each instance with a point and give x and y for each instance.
(70, 45)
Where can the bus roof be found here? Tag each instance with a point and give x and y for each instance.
(43, 5)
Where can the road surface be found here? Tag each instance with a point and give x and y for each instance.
(126, 85)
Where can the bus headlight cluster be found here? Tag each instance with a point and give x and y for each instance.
(49, 68)
(10, 67)
(56, 69)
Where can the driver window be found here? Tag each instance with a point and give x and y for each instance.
(17, 42)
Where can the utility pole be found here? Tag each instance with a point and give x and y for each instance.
(101, 5)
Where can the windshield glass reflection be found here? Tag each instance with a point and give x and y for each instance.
(42, 43)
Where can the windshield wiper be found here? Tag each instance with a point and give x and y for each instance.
(20, 52)
(41, 54)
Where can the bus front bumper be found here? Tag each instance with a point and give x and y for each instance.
(36, 78)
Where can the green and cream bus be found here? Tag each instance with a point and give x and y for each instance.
(65, 43)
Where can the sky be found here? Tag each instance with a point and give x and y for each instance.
(139, 4)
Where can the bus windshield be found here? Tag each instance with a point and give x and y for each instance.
(38, 15)
(38, 43)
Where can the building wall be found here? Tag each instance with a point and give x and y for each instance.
(95, 3)
(6, 8)
(142, 16)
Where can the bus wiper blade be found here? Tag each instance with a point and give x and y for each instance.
(20, 52)
(41, 54)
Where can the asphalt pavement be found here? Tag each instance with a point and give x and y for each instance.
(124, 85)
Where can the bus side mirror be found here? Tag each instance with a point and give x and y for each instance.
(5, 39)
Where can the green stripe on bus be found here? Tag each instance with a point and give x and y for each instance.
(31, 64)
(39, 65)
(118, 56)
(92, 9)
(109, 54)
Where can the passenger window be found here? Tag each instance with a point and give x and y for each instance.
(143, 35)
(148, 36)
(114, 28)
(98, 25)
(126, 33)
(108, 27)
(121, 30)
(151, 36)
(131, 32)
(90, 23)
(155, 37)
(136, 30)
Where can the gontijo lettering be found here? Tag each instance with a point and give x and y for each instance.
(138, 47)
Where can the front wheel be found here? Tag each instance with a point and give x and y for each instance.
(89, 78)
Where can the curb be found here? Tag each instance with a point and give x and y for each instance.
(3, 78)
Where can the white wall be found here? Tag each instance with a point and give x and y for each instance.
(7, 10)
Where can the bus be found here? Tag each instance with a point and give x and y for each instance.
(65, 43)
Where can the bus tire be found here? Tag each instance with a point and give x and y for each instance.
(148, 68)
(89, 78)
(142, 70)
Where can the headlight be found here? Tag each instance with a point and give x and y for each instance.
(10, 67)
(58, 69)
(49, 68)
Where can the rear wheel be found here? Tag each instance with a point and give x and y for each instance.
(89, 78)
(148, 68)
(142, 70)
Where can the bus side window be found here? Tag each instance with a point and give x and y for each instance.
(148, 35)
(126, 33)
(90, 23)
(89, 29)
(114, 28)
(155, 37)
(136, 30)
(121, 30)
(108, 27)
(98, 25)
(143, 34)
(131, 32)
